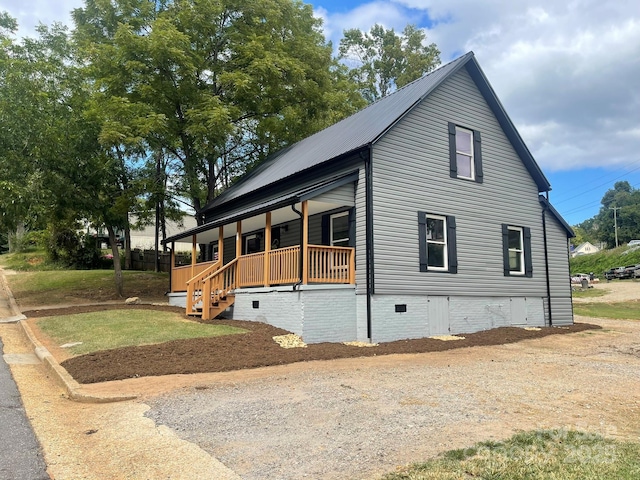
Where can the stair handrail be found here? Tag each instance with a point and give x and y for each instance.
(195, 282)
(214, 287)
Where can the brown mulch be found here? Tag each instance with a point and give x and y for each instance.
(253, 349)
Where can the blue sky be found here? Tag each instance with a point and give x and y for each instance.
(567, 73)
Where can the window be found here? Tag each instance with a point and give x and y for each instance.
(251, 244)
(437, 243)
(339, 229)
(516, 245)
(465, 154)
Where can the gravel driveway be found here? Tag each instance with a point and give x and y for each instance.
(360, 418)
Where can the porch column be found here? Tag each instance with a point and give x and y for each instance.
(267, 248)
(193, 255)
(305, 243)
(239, 239)
(221, 244)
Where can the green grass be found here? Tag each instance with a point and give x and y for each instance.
(123, 328)
(617, 311)
(31, 261)
(589, 293)
(70, 286)
(604, 260)
(537, 455)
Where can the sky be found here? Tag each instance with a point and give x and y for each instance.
(567, 73)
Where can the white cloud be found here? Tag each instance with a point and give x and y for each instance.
(30, 13)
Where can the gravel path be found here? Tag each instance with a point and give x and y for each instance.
(360, 418)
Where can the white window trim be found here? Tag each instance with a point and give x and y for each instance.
(331, 218)
(520, 251)
(445, 242)
(471, 157)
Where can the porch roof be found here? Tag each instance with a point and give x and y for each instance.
(286, 199)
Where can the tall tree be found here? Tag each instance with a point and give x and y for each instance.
(381, 60)
(620, 211)
(216, 85)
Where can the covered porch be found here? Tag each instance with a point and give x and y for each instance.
(308, 242)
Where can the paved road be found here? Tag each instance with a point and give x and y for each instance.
(20, 455)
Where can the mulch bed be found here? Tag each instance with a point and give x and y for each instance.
(253, 349)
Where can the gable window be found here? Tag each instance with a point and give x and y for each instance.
(465, 153)
(437, 243)
(339, 229)
(516, 246)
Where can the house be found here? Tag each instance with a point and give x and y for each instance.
(422, 214)
(585, 248)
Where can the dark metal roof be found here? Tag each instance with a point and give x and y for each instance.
(366, 127)
(545, 203)
(350, 134)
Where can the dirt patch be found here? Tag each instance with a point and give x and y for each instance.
(251, 350)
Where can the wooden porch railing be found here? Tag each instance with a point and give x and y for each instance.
(331, 264)
(180, 276)
(195, 284)
(214, 281)
(217, 286)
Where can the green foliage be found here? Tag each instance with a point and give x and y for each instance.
(616, 311)
(383, 60)
(123, 328)
(536, 455)
(604, 260)
(66, 246)
(601, 227)
(50, 287)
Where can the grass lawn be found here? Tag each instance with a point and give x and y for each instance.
(55, 287)
(110, 329)
(537, 455)
(617, 311)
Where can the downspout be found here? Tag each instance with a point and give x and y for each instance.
(298, 283)
(370, 286)
(546, 258)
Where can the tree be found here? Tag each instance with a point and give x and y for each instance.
(382, 60)
(626, 201)
(214, 86)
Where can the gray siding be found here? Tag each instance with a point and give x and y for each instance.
(341, 196)
(411, 173)
(561, 306)
(361, 238)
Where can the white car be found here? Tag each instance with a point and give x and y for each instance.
(633, 243)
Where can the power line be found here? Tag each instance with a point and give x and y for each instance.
(584, 192)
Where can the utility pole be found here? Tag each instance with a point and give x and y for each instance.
(615, 221)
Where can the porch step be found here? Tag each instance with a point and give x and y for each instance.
(216, 308)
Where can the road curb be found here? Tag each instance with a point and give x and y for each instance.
(72, 387)
(13, 305)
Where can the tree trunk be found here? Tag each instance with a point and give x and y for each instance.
(127, 245)
(117, 268)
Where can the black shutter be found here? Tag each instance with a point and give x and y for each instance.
(422, 240)
(325, 230)
(505, 249)
(453, 163)
(528, 264)
(477, 156)
(452, 249)
(352, 227)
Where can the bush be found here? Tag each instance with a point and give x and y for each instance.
(71, 249)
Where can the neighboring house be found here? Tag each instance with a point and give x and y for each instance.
(585, 248)
(145, 237)
(419, 215)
